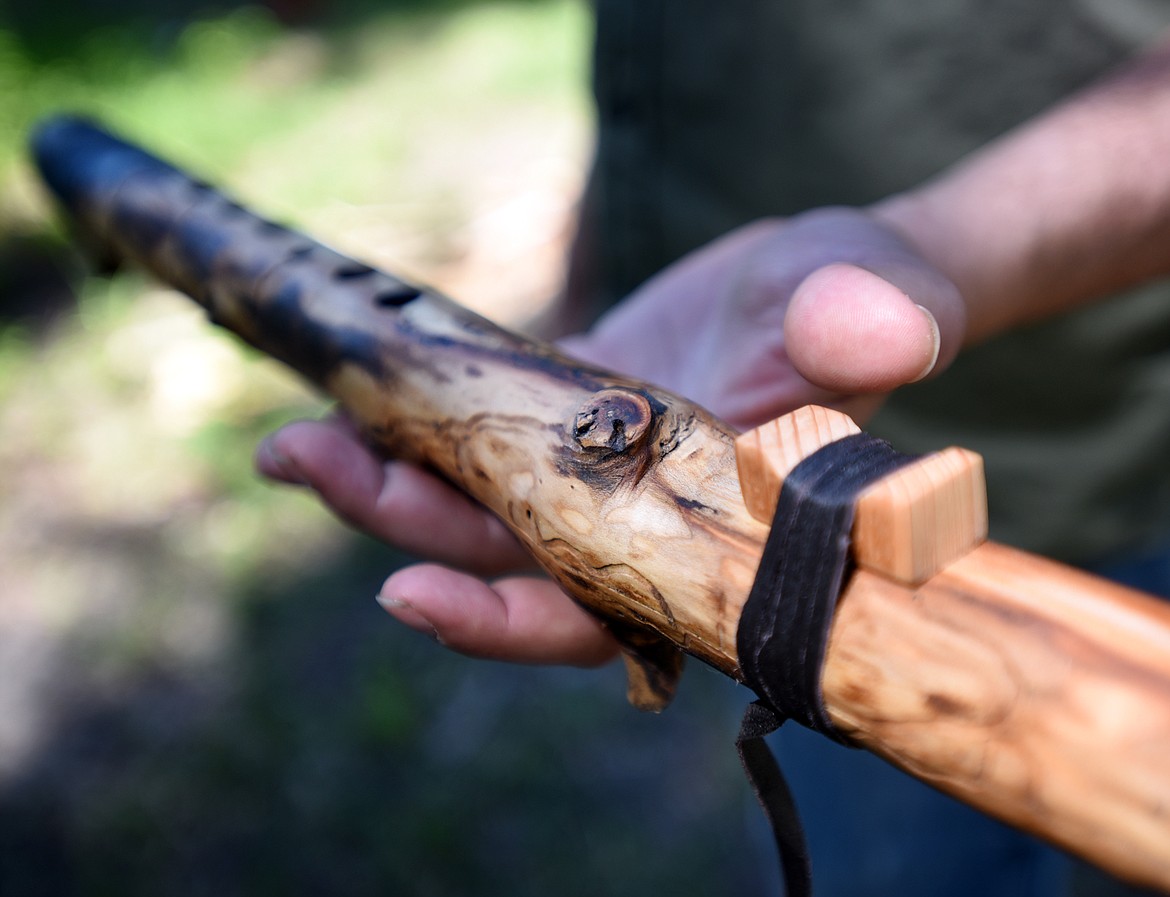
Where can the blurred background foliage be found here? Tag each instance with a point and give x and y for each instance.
(199, 694)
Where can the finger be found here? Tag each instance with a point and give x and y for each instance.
(392, 501)
(273, 461)
(849, 330)
(520, 619)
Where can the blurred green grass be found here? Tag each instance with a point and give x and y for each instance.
(200, 695)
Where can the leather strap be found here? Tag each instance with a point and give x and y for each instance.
(784, 629)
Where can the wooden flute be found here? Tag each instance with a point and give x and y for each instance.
(1034, 692)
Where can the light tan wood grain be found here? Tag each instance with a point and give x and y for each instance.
(768, 453)
(912, 523)
(1036, 693)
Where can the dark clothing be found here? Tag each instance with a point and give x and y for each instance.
(712, 114)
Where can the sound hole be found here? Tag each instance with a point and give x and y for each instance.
(352, 271)
(397, 296)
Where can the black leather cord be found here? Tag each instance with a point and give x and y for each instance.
(784, 628)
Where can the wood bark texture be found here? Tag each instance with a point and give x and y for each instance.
(1035, 693)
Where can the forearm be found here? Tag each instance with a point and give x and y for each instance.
(1067, 208)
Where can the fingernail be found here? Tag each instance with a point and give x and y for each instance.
(935, 341)
(407, 614)
(288, 468)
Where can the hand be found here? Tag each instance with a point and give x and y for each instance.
(829, 307)
(521, 619)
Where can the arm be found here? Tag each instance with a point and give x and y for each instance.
(1068, 208)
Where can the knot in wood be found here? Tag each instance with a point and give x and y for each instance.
(613, 419)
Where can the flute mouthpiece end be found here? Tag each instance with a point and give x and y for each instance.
(77, 157)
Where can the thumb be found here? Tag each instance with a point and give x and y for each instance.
(869, 330)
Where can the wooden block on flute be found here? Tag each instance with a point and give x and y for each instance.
(912, 523)
(767, 454)
(908, 525)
